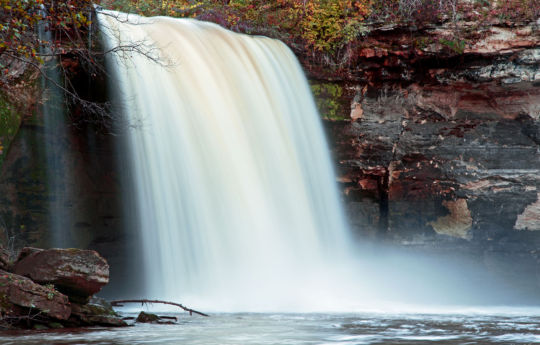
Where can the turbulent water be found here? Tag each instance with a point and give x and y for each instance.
(515, 327)
(234, 186)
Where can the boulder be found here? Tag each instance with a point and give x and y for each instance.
(75, 272)
(153, 318)
(147, 318)
(18, 291)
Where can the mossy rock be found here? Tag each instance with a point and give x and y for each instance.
(147, 317)
(331, 100)
(40, 327)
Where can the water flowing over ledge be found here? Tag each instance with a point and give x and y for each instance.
(235, 190)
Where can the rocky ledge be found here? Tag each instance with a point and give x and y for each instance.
(54, 288)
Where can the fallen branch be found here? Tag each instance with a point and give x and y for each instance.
(120, 303)
(164, 317)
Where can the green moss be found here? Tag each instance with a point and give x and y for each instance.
(456, 45)
(328, 97)
(10, 120)
(55, 325)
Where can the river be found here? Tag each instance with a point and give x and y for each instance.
(491, 326)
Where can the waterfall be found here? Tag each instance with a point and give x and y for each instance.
(57, 151)
(234, 186)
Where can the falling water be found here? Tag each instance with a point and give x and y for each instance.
(235, 190)
(56, 146)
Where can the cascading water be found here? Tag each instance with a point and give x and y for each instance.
(234, 186)
(58, 154)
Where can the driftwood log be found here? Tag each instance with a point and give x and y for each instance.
(120, 303)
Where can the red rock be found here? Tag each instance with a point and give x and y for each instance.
(4, 258)
(368, 184)
(77, 273)
(367, 52)
(16, 290)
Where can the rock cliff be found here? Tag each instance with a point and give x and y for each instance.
(437, 141)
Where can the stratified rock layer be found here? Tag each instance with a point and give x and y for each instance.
(441, 148)
(20, 292)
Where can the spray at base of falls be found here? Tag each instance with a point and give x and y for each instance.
(234, 185)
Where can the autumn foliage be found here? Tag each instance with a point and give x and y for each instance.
(328, 26)
(323, 25)
(53, 43)
(23, 28)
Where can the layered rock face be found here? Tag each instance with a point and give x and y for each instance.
(440, 146)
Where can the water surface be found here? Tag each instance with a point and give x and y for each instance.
(516, 327)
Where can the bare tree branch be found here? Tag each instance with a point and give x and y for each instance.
(119, 303)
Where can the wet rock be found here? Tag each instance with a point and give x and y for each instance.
(77, 273)
(95, 313)
(101, 302)
(147, 317)
(153, 318)
(18, 291)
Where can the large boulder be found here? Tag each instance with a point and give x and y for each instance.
(75, 272)
(17, 291)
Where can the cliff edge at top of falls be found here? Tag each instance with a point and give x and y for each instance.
(431, 53)
(438, 145)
